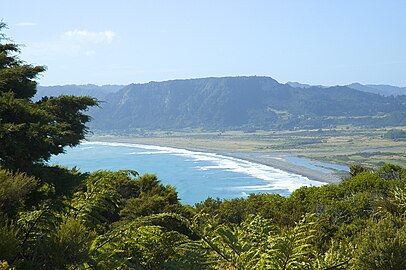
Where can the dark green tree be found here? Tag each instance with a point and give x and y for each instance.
(153, 198)
(30, 132)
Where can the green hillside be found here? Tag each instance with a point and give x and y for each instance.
(243, 103)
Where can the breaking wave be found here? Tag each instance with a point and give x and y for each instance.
(274, 179)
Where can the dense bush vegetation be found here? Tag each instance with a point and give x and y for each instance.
(119, 220)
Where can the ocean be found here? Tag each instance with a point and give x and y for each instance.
(195, 175)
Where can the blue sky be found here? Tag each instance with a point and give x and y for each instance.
(120, 42)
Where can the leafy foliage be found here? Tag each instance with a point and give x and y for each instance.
(14, 189)
(67, 244)
(30, 132)
(382, 245)
(152, 198)
(339, 227)
(293, 250)
(9, 244)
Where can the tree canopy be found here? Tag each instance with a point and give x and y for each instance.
(30, 132)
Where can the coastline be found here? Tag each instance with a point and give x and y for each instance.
(279, 162)
(274, 160)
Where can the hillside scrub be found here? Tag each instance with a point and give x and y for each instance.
(124, 221)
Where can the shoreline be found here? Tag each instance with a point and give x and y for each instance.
(273, 160)
(279, 162)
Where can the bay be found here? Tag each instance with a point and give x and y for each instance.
(195, 175)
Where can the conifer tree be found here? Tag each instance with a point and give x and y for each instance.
(30, 132)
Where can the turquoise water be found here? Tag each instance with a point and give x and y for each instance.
(317, 165)
(196, 175)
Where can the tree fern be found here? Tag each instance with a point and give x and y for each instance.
(136, 244)
(100, 196)
(292, 250)
(337, 257)
(399, 200)
(9, 239)
(239, 247)
(14, 188)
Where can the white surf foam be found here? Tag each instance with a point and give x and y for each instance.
(86, 148)
(276, 179)
(150, 152)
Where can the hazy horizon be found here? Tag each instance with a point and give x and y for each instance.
(311, 42)
(175, 79)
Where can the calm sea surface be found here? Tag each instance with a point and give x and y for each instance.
(196, 175)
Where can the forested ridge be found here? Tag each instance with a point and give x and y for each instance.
(243, 103)
(57, 218)
(234, 103)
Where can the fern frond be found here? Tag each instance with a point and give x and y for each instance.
(292, 251)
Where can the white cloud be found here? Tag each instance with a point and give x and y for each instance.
(74, 43)
(24, 24)
(106, 36)
(90, 52)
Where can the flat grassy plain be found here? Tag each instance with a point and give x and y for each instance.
(344, 145)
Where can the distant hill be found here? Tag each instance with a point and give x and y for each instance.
(381, 89)
(244, 103)
(304, 85)
(96, 91)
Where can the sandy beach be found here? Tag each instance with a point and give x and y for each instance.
(278, 161)
(275, 160)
